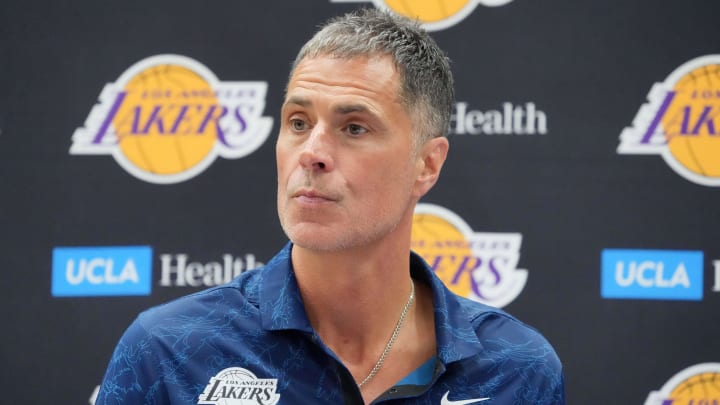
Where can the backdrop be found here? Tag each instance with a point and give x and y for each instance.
(580, 194)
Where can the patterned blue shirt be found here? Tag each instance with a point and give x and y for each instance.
(250, 342)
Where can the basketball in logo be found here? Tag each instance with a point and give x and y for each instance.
(167, 118)
(698, 384)
(681, 122)
(437, 240)
(692, 122)
(428, 11)
(432, 14)
(177, 140)
(698, 389)
(481, 266)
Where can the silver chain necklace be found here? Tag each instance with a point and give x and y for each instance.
(394, 336)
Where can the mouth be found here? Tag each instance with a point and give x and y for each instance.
(308, 196)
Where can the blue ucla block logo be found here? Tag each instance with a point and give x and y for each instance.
(101, 271)
(652, 274)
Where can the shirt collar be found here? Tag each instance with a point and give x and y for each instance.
(281, 306)
(455, 336)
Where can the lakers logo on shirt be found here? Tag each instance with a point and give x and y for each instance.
(238, 386)
(481, 266)
(681, 122)
(433, 14)
(167, 118)
(695, 385)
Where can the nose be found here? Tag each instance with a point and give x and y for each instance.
(317, 150)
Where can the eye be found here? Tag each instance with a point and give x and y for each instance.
(298, 125)
(356, 130)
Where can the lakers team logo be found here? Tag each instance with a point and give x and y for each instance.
(681, 122)
(433, 14)
(238, 386)
(696, 385)
(481, 266)
(167, 118)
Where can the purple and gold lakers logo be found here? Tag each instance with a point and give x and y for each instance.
(167, 118)
(433, 14)
(481, 266)
(696, 385)
(681, 122)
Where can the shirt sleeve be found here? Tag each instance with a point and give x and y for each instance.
(547, 385)
(522, 362)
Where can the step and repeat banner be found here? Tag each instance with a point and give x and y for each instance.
(581, 194)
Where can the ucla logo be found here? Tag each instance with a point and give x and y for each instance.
(695, 385)
(652, 274)
(681, 122)
(99, 271)
(481, 266)
(434, 15)
(167, 118)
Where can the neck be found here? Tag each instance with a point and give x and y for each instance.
(353, 298)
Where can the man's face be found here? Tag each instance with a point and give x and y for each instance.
(346, 163)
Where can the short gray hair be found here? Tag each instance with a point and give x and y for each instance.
(426, 82)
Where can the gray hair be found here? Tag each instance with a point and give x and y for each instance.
(426, 80)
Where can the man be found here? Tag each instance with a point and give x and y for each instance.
(344, 314)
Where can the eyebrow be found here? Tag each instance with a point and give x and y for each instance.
(298, 100)
(340, 109)
(351, 108)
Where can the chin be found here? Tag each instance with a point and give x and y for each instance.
(311, 237)
(323, 245)
(319, 239)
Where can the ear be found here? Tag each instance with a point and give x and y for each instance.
(430, 160)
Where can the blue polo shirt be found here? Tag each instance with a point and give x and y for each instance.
(250, 342)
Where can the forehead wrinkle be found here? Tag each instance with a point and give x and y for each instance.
(345, 95)
(302, 76)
